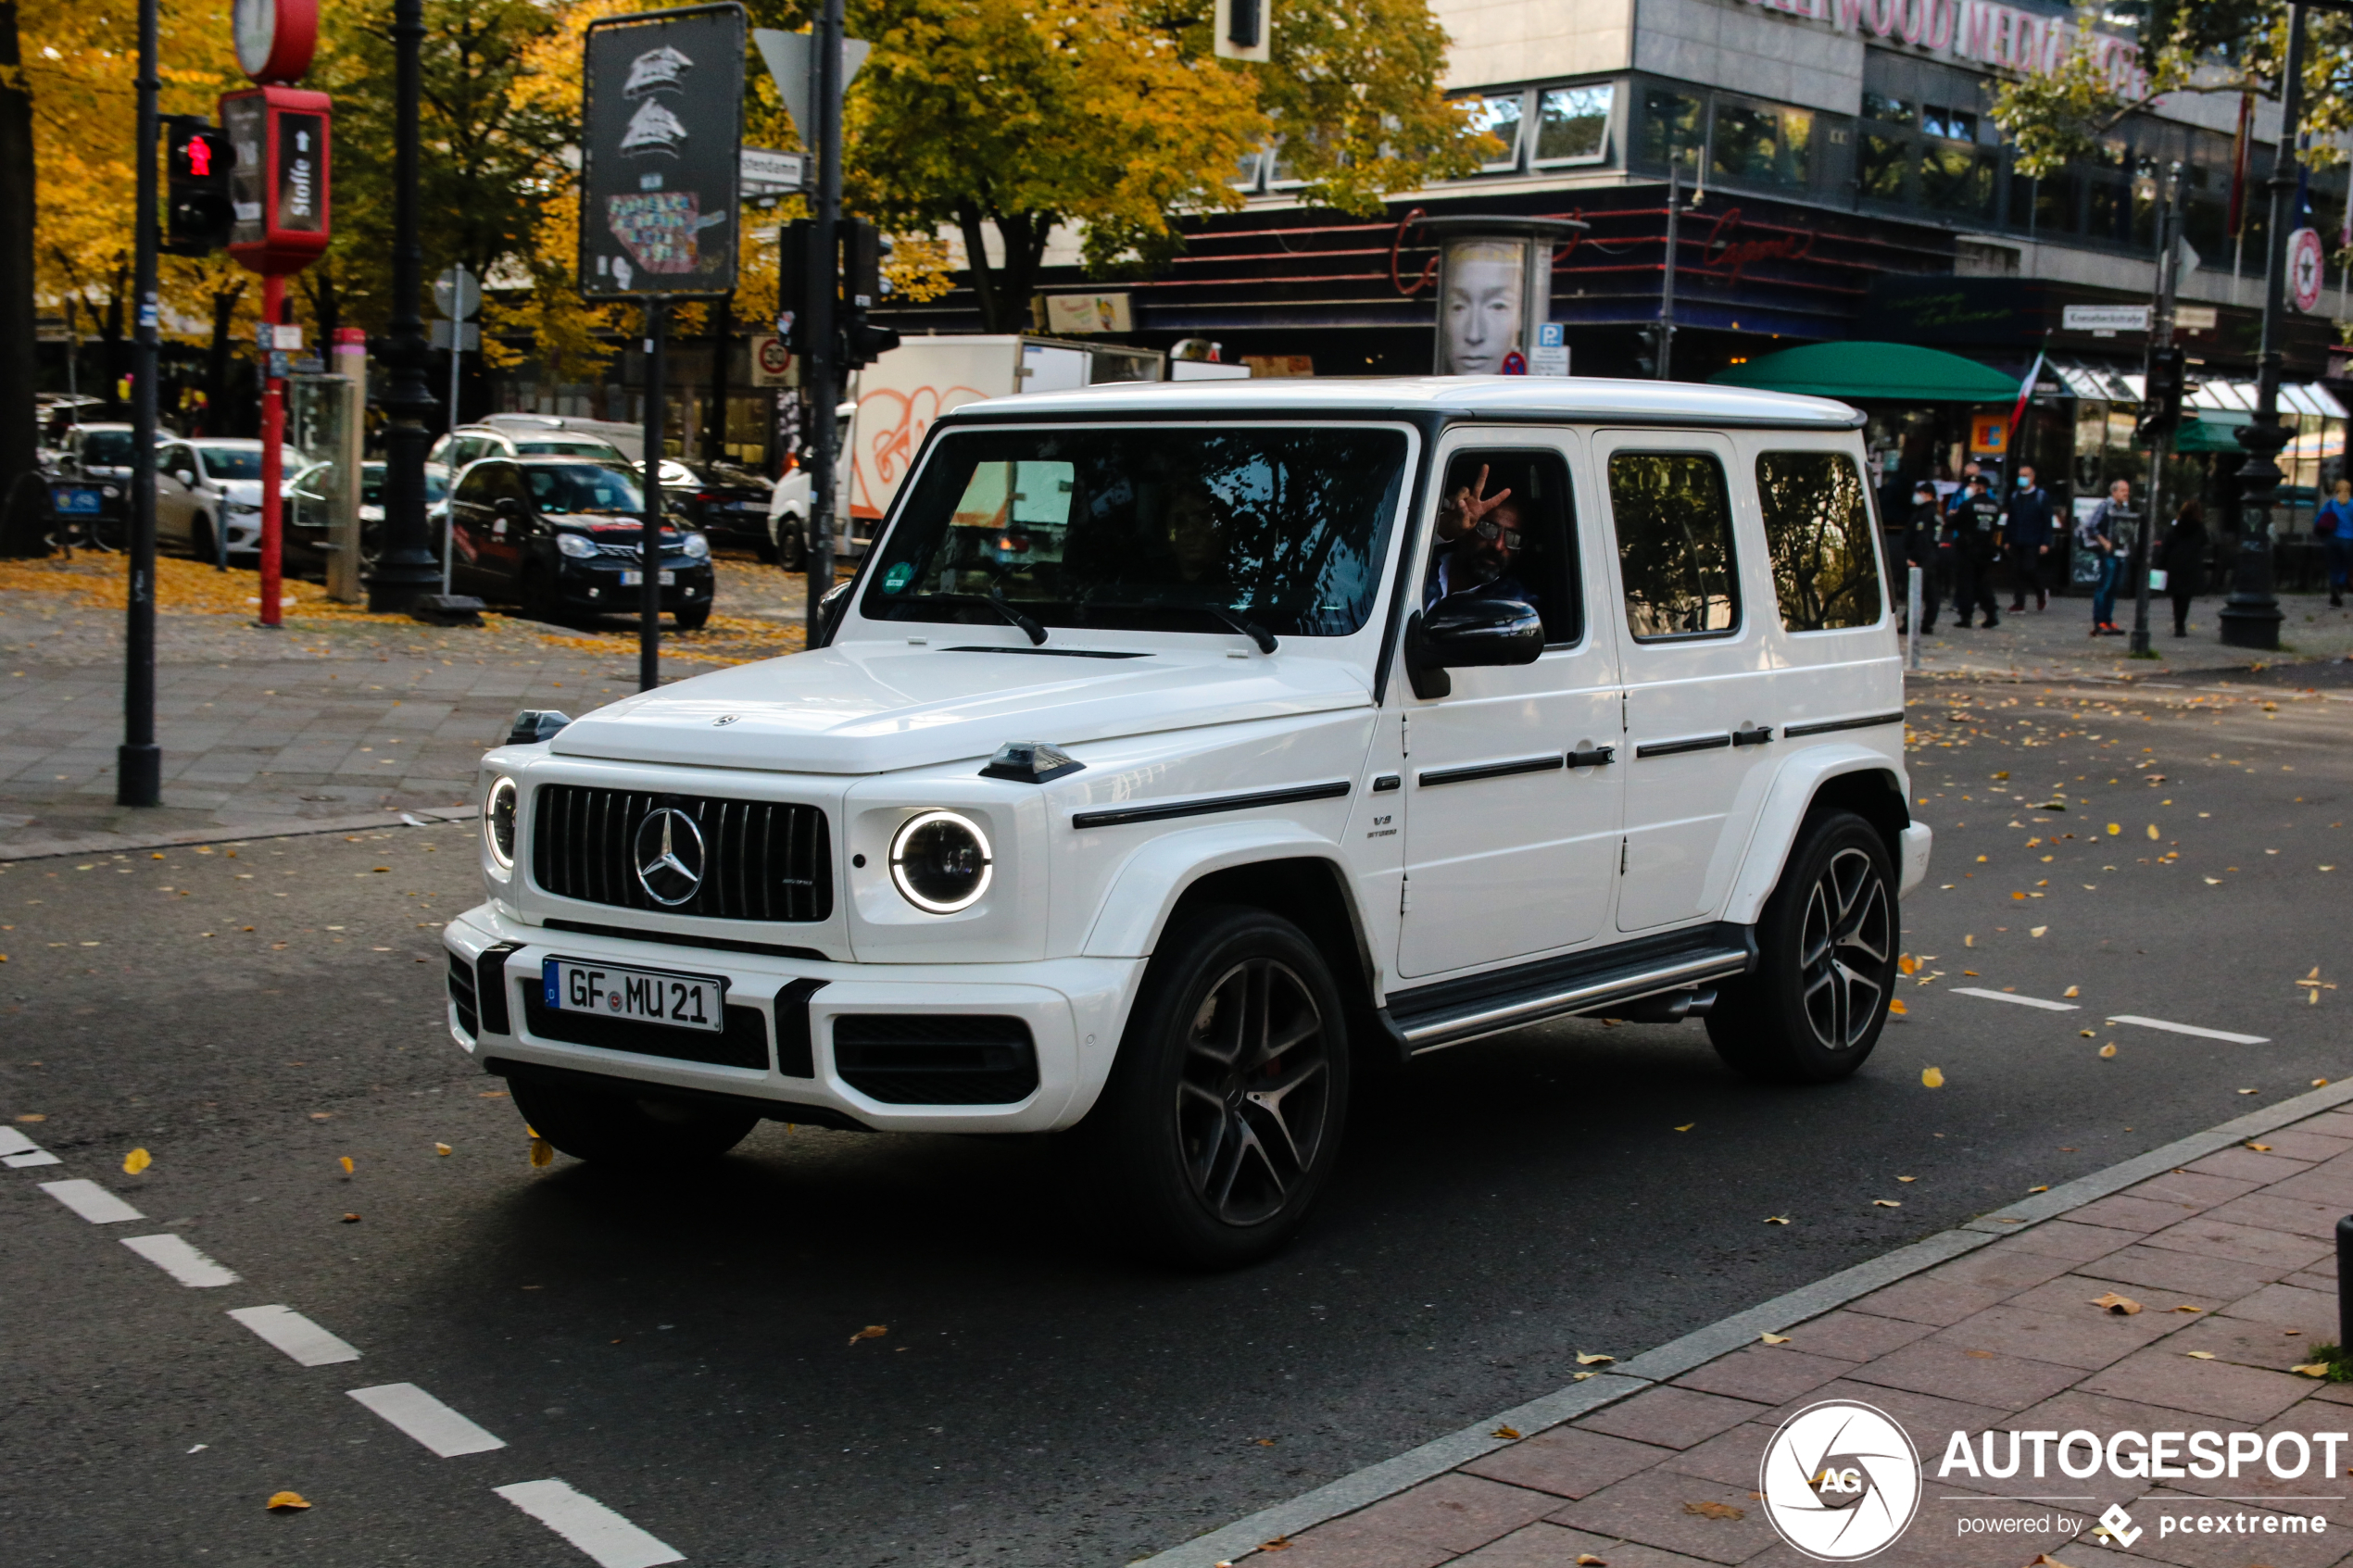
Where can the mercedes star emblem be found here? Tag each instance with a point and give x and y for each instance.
(669, 856)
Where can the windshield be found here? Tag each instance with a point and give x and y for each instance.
(371, 484)
(237, 462)
(568, 446)
(106, 448)
(582, 487)
(1155, 528)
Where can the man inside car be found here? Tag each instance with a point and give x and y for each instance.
(1480, 538)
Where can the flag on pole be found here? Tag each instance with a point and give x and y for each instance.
(2241, 148)
(2025, 391)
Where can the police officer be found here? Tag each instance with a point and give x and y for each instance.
(1922, 547)
(1977, 544)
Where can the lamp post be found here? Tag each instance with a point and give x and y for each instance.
(406, 570)
(819, 372)
(2251, 618)
(138, 760)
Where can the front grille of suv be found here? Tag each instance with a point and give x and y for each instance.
(935, 1059)
(762, 860)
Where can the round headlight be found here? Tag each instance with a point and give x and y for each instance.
(696, 547)
(939, 862)
(579, 546)
(498, 822)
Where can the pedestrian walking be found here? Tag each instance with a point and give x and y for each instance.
(2182, 557)
(1922, 548)
(2335, 526)
(2097, 536)
(2030, 530)
(1977, 545)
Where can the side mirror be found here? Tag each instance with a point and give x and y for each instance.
(1464, 632)
(185, 476)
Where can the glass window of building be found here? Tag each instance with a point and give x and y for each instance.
(1956, 182)
(1817, 526)
(1498, 115)
(1891, 111)
(1246, 172)
(1884, 167)
(1756, 145)
(1671, 129)
(1572, 123)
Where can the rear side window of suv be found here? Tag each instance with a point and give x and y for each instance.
(1674, 519)
(1817, 526)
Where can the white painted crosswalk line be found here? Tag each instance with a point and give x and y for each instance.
(295, 1334)
(2192, 1029)
(14, 1142)
(35, 1155)
(175, 1257)
(91, 1202)
(427, 1420)
(589, 1525)
(2012, 997)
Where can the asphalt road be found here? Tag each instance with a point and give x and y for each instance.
(688, 1354)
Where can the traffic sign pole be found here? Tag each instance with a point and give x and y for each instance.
(273, 435)
(138, 760)
(458, 285)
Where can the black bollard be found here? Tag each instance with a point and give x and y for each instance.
(2344, 1287)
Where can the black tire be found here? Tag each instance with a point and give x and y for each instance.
(792, 545)
(624, 1129)
(693, 619)
(540, 600)
(1223, 1116)
(1826, 962)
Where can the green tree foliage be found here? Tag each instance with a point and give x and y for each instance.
(1025, 116)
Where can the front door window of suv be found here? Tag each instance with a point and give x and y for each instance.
(1674, 544)
(1167, 528)
(1520, 548)
(1817, 529)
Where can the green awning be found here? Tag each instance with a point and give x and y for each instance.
(2214, 430)
(1873, 373)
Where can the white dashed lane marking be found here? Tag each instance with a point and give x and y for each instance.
(589, 1525)
(2013, 997)
(2192, 1029)
(295, 1334)
(175, 1257)
(17, 1151)
(427, 1420)
(91, 1202)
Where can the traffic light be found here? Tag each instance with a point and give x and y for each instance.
(792, 280)
(1646, 356)
(864, 247)
(2161, 395)
(196, 187)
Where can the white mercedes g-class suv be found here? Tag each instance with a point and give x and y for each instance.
(1181, 747)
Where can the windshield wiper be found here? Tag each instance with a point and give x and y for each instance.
(1030, 629)
(1250, 629)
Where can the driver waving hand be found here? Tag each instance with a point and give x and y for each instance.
(1480, 537)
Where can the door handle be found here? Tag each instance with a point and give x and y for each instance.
(1593, 756)
(1752, 734)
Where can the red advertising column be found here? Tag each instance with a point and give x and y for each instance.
(278, 196)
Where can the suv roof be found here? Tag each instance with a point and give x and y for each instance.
(1579, 399)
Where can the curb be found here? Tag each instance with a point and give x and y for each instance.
(1677, 1356)
(120, 843)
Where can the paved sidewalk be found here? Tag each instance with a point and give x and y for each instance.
(2056, 644)
(2229, 1259)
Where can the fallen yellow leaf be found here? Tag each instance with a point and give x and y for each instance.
(351, 1219)
(1777, 1219)
(1885, 1203)
(1508, 1434)
(285, 1501)
(2108, 1050)
(1908, 1178)
(1712, 1509)
(2043, 1188)
(441, 1148)
(1969, 941)
(33, 1116)
(345, 1163)
(2115, 828)
(2185, 1307)
(1587, 1559)
(135, 1161)
(2071, 991)
(2250, 1091)
(2153, 832)
(2037, 930)
(1594, 1360)
(1581, 1376)
(871, 1331)
(2087, 1033)
(2312, 1369)
(2260, 1147)
(1896, 1006)
(1906, 964)
(1933, 1077)
(543, 1154)
(2199, 1355)
(2319, 1083)
(2122, 1306)
(1687, 1126)
(1774, 1339)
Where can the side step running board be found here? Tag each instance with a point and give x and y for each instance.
(1454, 1013)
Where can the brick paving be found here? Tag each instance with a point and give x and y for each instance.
(2230, 1260)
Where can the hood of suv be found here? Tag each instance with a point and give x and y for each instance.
(874, 709)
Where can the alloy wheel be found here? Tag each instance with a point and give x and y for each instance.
(1253, 1094)
(1843, 949)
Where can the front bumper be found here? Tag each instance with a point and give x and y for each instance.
(1073, 1009)
(596, 584)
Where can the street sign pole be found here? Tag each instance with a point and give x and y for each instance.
(463, 298)
(138, 760)
(818, 368)
(649, 534)
(273, 435)
(2161, 339)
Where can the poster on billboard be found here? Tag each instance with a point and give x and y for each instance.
(1495, 291)
(662, 130)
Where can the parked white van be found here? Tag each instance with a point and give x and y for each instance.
(1182, 748)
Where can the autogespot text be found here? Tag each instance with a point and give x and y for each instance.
(2144, 1456)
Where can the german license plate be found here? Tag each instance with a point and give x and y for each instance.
(639, 996)
(631, 579)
